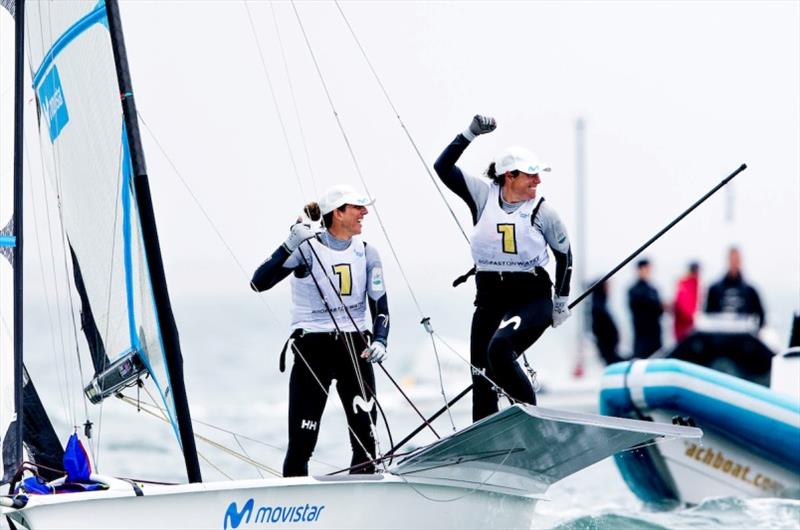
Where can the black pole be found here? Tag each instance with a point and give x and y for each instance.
(589, 290)
(419, 429)
(169, 331)
(675, 221)
(19, 74)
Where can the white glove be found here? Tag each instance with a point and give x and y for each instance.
(376, 353)
(560, 310)
(297, 234)
(480, 125)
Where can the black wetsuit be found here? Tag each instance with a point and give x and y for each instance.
(512, 309)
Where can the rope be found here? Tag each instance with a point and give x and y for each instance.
(361, 176)
(236, 435)
(163, 417)
(355, 326)
(475, 370)
(203, 211)
(355, 160)
(294, 99)
(426, 323)
(272, 95)
(350, 348)
(400, 120)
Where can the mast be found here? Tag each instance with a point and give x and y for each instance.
(19, 48)
(141, 185)
(580, 233)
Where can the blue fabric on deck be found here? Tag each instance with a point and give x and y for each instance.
(36, 485)
(76, 462)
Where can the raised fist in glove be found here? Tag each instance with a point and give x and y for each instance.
(376, 353)
(297, 234)
(560, 310)
(480, 125)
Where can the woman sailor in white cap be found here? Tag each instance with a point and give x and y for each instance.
(335, 276)
(511, 234)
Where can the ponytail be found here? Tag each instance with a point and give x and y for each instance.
(491, 172)
(312, 211)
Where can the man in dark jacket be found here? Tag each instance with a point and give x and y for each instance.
(732, 294)
(646, 309)
(603, 327)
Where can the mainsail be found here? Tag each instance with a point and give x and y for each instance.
(76, 57)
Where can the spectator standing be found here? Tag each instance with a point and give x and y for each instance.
(604, 329)
(732, 294)
(687, 296)
(646, 310)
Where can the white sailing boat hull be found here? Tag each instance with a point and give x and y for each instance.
(381, 501)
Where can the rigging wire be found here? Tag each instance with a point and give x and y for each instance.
(71, 417)
(163, 417)
(355, 326)
(353, 157)
(131, 401)
(294, 99)
(400, 120)
(366, 188)
(62, 390)
(350, 350)
(349, 346)
(274, 99)
(426, 320)
(64, 247)
(205, 213)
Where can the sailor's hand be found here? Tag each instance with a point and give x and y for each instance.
(376, 353)
(561, 311)
(297, 234)
(480, 125)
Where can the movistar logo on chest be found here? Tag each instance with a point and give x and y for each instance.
(250, 517)
(54, 106)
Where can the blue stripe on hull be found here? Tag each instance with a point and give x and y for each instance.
(770, 437)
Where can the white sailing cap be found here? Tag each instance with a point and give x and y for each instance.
(519, 159)
(340, 195)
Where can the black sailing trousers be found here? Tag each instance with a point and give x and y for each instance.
(318, 359)
(512, 310)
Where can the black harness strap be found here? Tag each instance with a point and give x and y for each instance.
(464, 277)
(296, 334)
(536, 210)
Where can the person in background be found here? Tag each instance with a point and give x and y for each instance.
(646, 310)
(685, 305)
(604, 329)
(335, 276)
(513, 229)
(732, 294)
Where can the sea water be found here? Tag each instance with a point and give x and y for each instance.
(231, 365)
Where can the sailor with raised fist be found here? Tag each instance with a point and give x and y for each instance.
(513, 230)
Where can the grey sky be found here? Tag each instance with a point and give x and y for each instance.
(675, 95)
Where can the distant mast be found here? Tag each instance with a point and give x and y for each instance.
(169, 331)
(580, 241)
